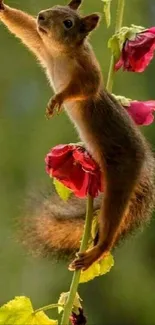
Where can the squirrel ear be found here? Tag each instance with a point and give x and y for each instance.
(89, 22)
(74, 4)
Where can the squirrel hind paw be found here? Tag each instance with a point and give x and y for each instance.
(86, 259)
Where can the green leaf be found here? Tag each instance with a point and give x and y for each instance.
(116, 42)
(63, 299)
(95, 226)
(106, 264)
(123, 100)
(41, 319)
(19, 311)
(97, 269)
(106, 10)
(90, 273)
(137, 29)
(114, 45)
(63, 191)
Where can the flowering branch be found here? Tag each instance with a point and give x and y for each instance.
(89, 215)
(76, 275)
(119, 21)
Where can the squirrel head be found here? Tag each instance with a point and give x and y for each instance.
(62, 28)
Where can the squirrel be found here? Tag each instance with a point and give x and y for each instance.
(58, 38)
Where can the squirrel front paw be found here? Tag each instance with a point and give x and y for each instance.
(1, 5)
(54, 104)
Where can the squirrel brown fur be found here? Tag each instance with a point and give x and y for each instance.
(58, 38)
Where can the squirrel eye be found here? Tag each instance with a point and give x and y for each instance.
(68, 23)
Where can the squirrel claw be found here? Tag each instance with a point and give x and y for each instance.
(53, 105)
(71, 268)
(50, 108)
(47, 114)
(86, 259)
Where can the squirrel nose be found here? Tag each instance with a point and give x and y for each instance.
(41, 16)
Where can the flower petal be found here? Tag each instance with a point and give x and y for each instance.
(75, 168)
(137, 54)
(57, 156)
(142, 112)
(82, 156)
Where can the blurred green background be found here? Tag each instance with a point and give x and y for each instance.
(126, 295)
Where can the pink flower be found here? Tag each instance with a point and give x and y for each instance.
(141, 112)
(75, 168)
(137, 53)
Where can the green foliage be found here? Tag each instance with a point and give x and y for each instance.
(19, 311)
(63, 299)
(100, 267)
(97, 269)
(94, 227)
(63, 191)
(123, 100)
(107, 13)
(116, 42)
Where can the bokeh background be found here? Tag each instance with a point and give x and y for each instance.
(126, 295)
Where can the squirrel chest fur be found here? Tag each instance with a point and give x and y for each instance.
(58, 38)
(59, 71)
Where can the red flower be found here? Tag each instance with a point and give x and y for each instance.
(141, 112)
(79, 319)
(137, 53)
(74, 167)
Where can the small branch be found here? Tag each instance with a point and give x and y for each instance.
(111, 75)
(119, 15)
(47, 308)
(88, 224)
(89, 214)
(118, 25)
(76, 275)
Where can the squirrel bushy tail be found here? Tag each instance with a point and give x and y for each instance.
(54, 227)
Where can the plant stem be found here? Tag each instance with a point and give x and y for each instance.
(76, 275)
(47, 308)
(118, 25)
(89, 214)
(88, 224)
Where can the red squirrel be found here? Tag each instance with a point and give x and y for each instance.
(58, 38)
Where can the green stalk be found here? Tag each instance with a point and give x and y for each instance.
(118, 25)
(76, 275)
(89, 214)
(48, 307)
